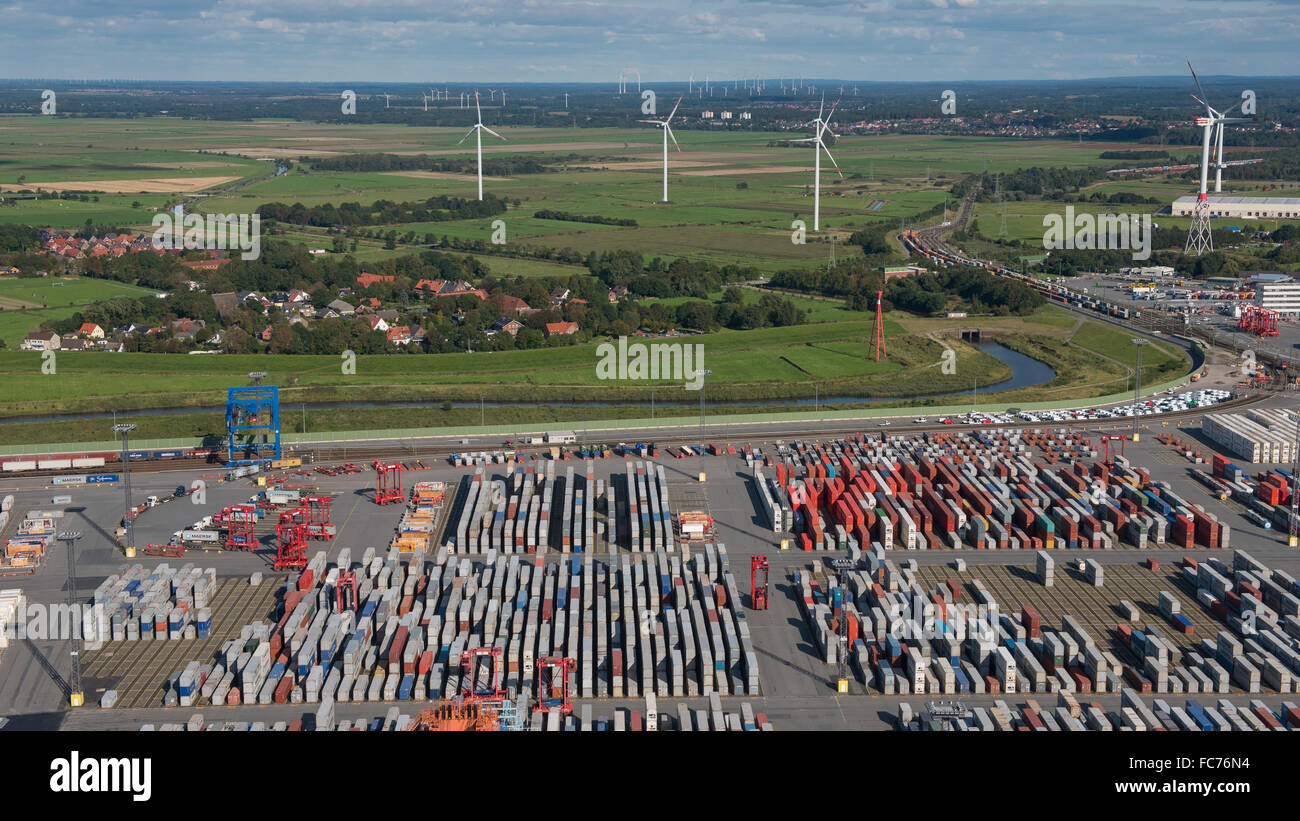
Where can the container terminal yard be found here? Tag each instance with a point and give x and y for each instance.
(1058, 576)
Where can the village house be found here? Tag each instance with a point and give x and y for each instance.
(40, 341)
(561, 328)
(366, 280)
(508, 324)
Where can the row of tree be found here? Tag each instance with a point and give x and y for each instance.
(441, 208)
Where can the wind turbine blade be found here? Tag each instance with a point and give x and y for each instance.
(679, 102)
(493, 133)
(478, 111)
(1199, 100)
(1197, 79)
(821, 107)
(467, 134)
(804, 140)
(656, 122)
(669, 130)
(832, 159)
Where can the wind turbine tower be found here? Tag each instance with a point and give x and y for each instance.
(1199, 238)
(823, 125)
(668, 132)
(477, 130)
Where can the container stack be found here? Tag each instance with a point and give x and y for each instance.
(534, 512)
(1093, 573)
(31, 540)
(1046, 568)
(1258, 437)
(165, 603)
(13, 614)
(1198, 714)
(654, 624)
(768, 504)
(984, 490)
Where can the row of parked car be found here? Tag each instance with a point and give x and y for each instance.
(1168, 403)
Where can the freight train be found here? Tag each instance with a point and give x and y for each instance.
(915, 244)
(69, 461)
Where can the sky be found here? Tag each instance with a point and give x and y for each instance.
(665, 40)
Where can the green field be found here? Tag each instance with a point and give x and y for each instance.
(733, 200)
(733, 197)
(26, 303)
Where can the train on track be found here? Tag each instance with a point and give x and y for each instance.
(916, 244)
(80, 461)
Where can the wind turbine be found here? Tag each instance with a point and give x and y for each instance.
(823, 125)
(668, 132)
(477, 130)
(386, 96)
(1199, 239)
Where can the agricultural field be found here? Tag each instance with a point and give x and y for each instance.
(26, 303)
(733, 197)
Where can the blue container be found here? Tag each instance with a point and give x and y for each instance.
(893, 647)
(404, 689)
(963, 682)
(1198, 715)
(561, 597)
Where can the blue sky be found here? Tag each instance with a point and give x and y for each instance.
(667, 40)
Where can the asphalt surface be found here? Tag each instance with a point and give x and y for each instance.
(796, 683)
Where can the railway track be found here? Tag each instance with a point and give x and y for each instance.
(362, 453)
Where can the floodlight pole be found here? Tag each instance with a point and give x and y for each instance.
(702, 374)
(76, 696)
(128, 519)
(1137, 385)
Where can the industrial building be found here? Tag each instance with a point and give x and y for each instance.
(1283, 297)
(1242, 207)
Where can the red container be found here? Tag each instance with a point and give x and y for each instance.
(282, 689)
(1135, 679)
(1125, 634)
(1152, 564)
(1032, 624)
(1291, 715)
(1081, 682)
(1267, 717)
(398, 645)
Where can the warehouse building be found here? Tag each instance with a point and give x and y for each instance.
(1242, 207)
(1283, 297)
